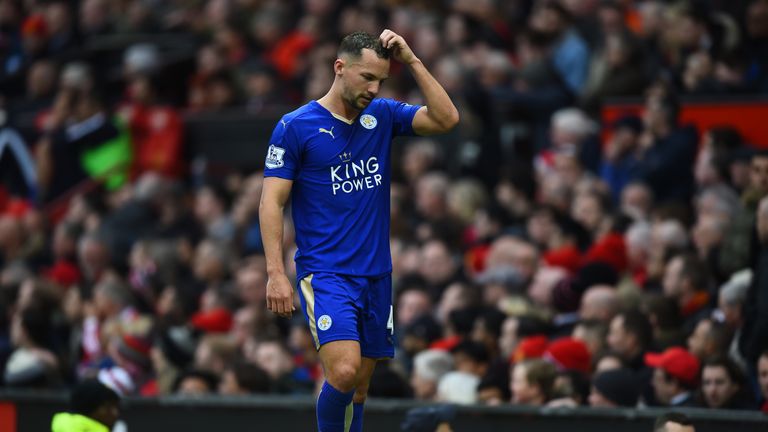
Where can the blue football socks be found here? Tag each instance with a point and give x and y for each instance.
(357, 418)
(334, 409)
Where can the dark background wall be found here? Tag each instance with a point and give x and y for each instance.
(283, 414)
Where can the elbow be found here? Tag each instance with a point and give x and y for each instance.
(450, 121)
(453, 119)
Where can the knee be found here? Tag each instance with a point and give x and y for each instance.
(343, 376)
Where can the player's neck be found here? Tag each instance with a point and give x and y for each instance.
(333, 102)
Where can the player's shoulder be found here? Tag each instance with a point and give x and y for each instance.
(387, 104)
(382, 103)
(302, 115)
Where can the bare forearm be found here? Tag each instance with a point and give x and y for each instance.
(271, 224)
(439, 105)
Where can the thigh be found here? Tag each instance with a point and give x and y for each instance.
(330, 311)
(377, 331)
(341, 353)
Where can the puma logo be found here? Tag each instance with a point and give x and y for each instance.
(329, 132)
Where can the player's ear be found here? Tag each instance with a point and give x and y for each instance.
(338, 66)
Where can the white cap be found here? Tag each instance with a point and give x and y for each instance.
(458, 387)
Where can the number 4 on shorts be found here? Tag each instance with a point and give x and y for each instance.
(391, 322)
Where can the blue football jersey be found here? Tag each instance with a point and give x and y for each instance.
(341, 175)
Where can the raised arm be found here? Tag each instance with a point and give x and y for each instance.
(439, 115)
(274, 195)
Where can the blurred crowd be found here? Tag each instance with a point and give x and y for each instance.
(580, 263)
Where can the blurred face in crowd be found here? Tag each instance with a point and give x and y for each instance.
(523, 392)
(437, 264)
(244, 324)
(540, 227)
(731, 312)
(698, 341)
(193, 386)
(417, 159)
(664, 389)
(207, 205)
(587, 211)
(361, 78)
(619, 340)
(413, 303)
(762, 220)
(107, 413)
(672, 283)
(301, 340)
(671, 426)
(596, 399)
(762, 375)
(423, 389)
(540, 290)
(599, 302)
(611, 18)
(508, 339)
(64, 245)
(271, 357)
(608, 362)
(229, 386)
(41, 79)
(592, 338)
(547, 20)
(451, 300)
(431, 196)
(251, 285)
(207, 265)
(758, 178)
(509, 251)
(636, 200)
(707, 233)
(655, 116)
(717, 386)
(757, 19)
(689, 32)
(93, 257)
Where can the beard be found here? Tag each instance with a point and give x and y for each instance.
(358, 101)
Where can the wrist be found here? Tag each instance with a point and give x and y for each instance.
(413, 62)
(275, 273)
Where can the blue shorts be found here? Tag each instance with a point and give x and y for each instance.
(339, 307)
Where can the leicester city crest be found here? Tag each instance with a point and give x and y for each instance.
(368, 121)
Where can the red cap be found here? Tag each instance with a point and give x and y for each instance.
(63, 273)
(567, 257)
(570, 354)
(677, 362)
(217, 320)
(445, 344)
(34, 25)
(611, 249)
(529, 348)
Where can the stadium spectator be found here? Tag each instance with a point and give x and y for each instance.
(762, 373)
(93, 407)
(429, 366)
(673, 422)
(614, 388)
(675, 374)
(131, 272)
(724, 386)
(532, 382)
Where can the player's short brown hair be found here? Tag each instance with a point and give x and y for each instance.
(354, 43)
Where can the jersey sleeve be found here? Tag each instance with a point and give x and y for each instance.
(402, 117)
(283, 153)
